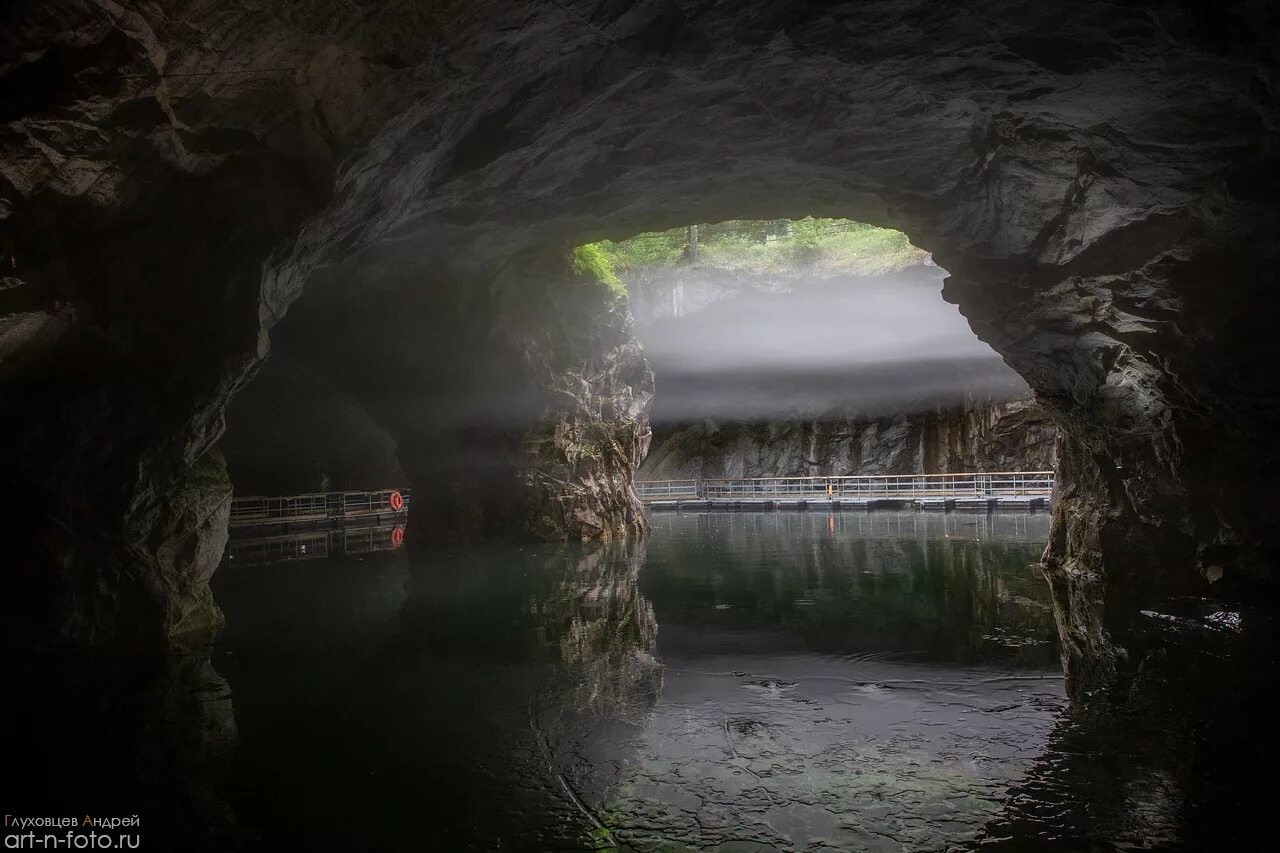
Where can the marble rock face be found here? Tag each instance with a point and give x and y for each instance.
(978, 435)
(1099, 179)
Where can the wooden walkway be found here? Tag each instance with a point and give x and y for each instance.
(985, 490)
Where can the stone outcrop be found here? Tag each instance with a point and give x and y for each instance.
(152, 590)
(978, 436)
(186, 545)
(578, 460)
(1098, 177)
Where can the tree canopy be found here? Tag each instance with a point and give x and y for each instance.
(813, 244)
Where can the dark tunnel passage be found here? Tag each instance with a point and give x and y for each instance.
(292, 431)
(390, 203)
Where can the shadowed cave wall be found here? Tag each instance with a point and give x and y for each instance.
(292, 431)
(1099, 178)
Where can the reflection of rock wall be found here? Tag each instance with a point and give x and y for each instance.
(154, 735)
(976, 436)
(606, 633)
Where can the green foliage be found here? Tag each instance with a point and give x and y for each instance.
(590, 262)
(656, 249)
(603, 839)
(814, 244)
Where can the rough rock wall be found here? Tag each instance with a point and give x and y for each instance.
(577, 462)
(143, 592)
(1015, 436)
(153, 158)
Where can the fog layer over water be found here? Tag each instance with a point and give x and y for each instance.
(760, 346)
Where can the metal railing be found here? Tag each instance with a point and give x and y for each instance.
(857, 487)
(667, 489)
(317, 506)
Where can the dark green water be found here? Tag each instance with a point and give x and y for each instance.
(790, 681)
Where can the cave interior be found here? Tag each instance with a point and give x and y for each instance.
(388, 204)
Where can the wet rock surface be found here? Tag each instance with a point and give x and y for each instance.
(578, 459)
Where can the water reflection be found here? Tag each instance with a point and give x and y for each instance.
(860, 681)
(92, 732)
(950, 587)
(846, 682)
(605, 632)
(741, 681)
(313, 544)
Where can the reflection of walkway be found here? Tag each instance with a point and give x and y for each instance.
(314, 544)
(1007, 527)
(1012, 527)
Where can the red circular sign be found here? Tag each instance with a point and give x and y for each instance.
(396, 500)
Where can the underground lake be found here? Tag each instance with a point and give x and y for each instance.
(785, 680)
(642, 425)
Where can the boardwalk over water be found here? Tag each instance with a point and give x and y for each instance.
(320, 508)
(1001, 489)
(1026, 489)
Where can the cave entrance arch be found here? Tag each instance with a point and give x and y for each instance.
(1060, 262)
(1099, 185)
(814, 348)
